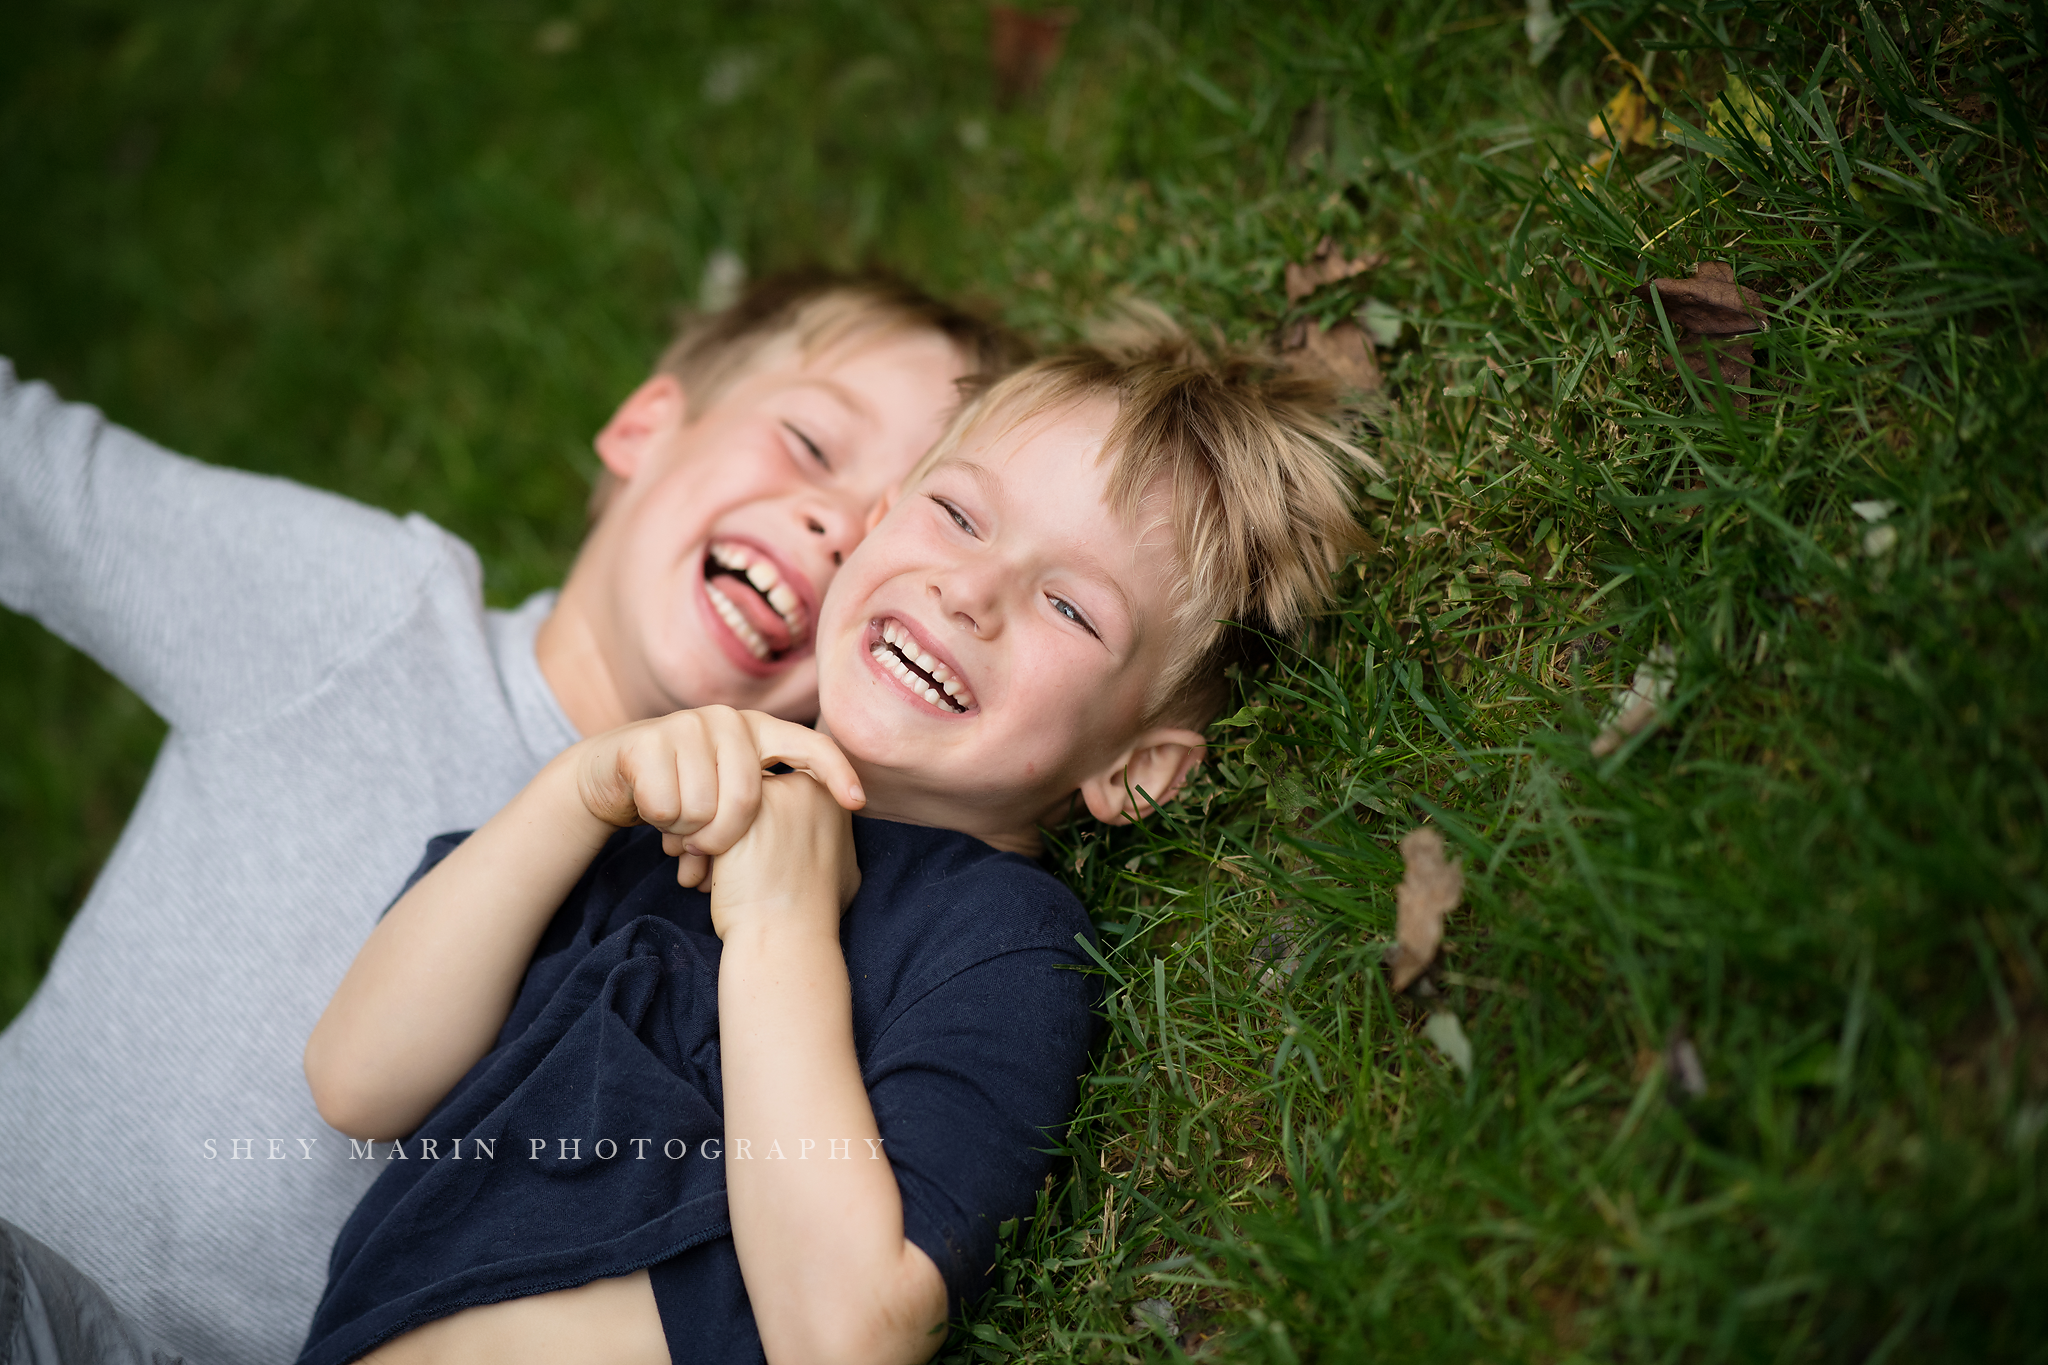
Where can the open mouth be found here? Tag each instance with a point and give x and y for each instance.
(927, 676)
(745, 588)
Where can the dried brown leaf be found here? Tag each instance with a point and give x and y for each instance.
(1339, 354)
(1732, 358)
(1711, 316)
(1023, 47)
(1430, 889)
(1326, 266)
(1709, 304)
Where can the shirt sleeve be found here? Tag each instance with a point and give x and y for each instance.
(971, 1087)
(216, 594)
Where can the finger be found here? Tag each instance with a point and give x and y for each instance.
(691, 869)
(739, 790)
(648, 773)
(694, 762)
(807, 751)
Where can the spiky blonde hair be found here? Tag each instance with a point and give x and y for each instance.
(1258, 482)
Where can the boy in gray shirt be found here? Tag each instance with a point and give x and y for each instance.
(336, 691)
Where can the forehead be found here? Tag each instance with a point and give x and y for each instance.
(1046, 479)
(879, 374)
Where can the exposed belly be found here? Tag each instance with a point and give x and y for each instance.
(605, 1322)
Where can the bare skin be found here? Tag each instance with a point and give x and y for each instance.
(613, 1321)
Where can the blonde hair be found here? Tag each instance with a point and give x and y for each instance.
(816, 310)
(1259, 482)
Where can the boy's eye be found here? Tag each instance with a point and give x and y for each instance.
(959, 518)
(811, 446)
(1068, 610)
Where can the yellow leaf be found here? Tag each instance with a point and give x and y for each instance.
(1738, 107)
(1627, 119)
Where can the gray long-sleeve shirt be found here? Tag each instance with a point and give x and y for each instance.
(336, 694)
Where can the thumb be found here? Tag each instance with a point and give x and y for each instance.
(605, 785)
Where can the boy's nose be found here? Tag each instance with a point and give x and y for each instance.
(971, 598)
(829, 530)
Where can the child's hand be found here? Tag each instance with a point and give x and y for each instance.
(795, 860)
(697, 777)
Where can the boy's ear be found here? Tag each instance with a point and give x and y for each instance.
(1156, 766)
(649, 413)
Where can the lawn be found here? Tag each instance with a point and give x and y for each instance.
(1738, 1045)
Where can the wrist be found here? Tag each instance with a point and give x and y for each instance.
(777, 925)
(556, 796)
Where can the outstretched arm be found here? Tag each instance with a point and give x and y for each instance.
(431, 987)
(820, 1241)
(216, 594)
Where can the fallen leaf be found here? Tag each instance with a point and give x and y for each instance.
(1444, 1030)
(1640, 702)
(1709, 303)
(1429, 890)
(1339, 354)
(1384, 321)
(1682, 1064)
(1738, 112)
(1630, 119)
(1023, 47)
(1280, 950)
(1309, 141)
(723, 281)
(557, 36)
(1543, 26)
(730, 76)
(1710, 315)
(1326, 265)
(1155, 1315)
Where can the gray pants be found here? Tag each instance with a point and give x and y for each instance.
(51, 1314)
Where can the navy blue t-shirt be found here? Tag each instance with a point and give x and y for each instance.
(969, 1019)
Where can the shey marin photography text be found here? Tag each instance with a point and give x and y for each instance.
(537, 1149)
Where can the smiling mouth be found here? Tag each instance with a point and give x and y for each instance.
(897, 652)
(735, 573)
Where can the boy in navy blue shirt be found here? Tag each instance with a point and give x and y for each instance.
(628, 1120)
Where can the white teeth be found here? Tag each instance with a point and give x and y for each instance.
(767, 580)
(897, 645)
(737, 622)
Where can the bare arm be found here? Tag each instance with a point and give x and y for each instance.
(820, 1241)
(430, 989)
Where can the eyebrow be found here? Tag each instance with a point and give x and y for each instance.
(840, 394)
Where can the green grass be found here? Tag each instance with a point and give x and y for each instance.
(416, 258)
